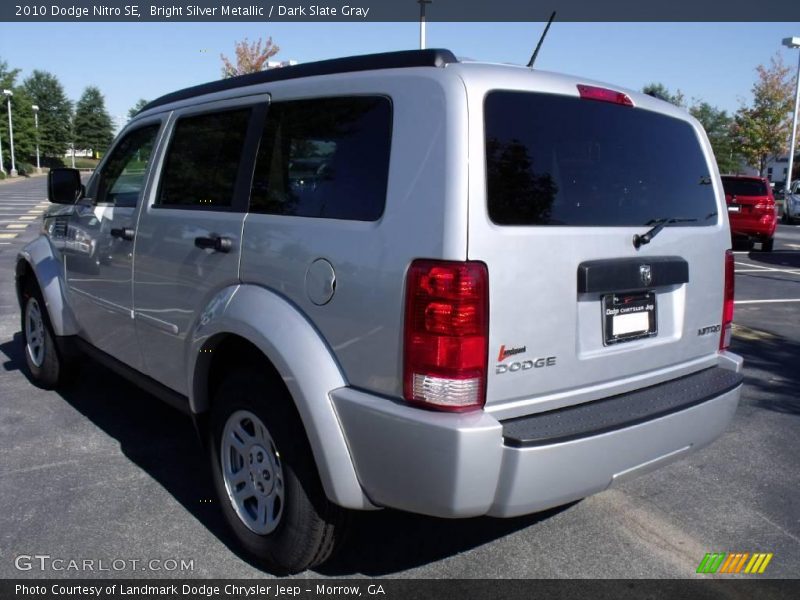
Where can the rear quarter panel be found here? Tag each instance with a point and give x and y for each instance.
(425, 216)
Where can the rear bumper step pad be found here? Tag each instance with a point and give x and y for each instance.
(617, 412)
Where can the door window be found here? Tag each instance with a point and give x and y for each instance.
(123, 176)
(203, 160)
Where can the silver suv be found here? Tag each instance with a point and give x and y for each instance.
(400, 280)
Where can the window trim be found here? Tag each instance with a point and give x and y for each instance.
(241, 187)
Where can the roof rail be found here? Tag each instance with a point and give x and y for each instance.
(350, 64)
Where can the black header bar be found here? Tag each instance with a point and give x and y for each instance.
(397, 10)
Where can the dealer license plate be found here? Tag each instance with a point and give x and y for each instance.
(628, 317)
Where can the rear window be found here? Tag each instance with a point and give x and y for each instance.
(744, 187)
(555, 160)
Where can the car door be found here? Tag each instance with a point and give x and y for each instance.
(98, 245)
(189, 231)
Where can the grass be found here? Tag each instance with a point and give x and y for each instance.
(82, 163)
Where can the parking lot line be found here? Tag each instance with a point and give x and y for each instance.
(750, 265)
(747, 252)
(773, 301)
(8, 236)
(789, 271)
(17, 226)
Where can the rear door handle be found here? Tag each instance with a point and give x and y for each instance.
(123, 233)
(214, 242)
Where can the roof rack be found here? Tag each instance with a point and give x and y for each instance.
(367, 62)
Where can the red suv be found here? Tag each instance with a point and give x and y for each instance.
(751, 209)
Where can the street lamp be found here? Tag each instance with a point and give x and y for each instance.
(36, 120)
(13, 171)
(793, 42)
(2, 168)
(422, 4)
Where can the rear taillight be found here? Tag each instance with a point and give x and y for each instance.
(446, 334)
(591, 92)
(727, 303)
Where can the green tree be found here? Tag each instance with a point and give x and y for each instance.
(22, 118)
(762, 129)
(660, 91)
(55, 112)
(140, 104)
(8, 77)
(92, 125)
(250, 57)
(719, 128)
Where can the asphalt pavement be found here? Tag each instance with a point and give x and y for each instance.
(104, 472)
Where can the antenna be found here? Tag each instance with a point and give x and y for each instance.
(541, 39)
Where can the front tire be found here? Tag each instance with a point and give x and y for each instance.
(767, 245)
(41, 355)
(265, 476)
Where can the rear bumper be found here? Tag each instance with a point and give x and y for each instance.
(755, 228)
(464, 465)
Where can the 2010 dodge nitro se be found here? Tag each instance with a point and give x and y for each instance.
(400, 280)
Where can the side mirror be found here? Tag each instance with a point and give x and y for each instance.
(64, 186)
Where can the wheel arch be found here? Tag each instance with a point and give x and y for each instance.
(38, 260)
(242, 320)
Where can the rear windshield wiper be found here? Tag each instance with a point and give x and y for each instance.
(659, 224)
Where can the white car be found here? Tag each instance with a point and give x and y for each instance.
(791, 206)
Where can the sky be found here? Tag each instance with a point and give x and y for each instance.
(714, 62)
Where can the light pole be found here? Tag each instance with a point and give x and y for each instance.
(422, 4)
(36, 121)
(13, 171)
(2, 168)
(793, 42)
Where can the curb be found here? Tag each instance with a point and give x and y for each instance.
(23, 177)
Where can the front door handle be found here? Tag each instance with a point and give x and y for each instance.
(214, 242)
(123, 233)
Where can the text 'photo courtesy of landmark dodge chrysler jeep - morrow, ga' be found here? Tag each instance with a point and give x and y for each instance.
(399, 280)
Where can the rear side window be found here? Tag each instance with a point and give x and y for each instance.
(203, 160)
(744, 187)
(325, 158)
(555, 160)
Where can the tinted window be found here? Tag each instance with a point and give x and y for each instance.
(122, 178)
(744, 187)
(553, 160)
(324, 158)
(203, 160)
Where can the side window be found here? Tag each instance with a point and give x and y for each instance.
(203, 160)
(122, 179)
(324, 158)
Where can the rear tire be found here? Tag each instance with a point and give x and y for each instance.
(767, 245)
(41, 355)
(266, 478)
